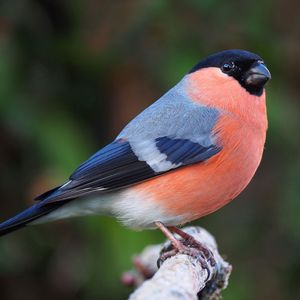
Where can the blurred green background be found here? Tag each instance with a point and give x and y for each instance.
(72, 73)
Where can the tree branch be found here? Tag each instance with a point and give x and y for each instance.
(181, 276)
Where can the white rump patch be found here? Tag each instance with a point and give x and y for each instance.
(137, 211)
(132, 209)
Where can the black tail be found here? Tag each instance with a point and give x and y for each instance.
(29, 215)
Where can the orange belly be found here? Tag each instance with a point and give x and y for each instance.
(200, 189)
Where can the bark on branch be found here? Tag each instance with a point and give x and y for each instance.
(181, 276)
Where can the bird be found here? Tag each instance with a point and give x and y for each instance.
(185, 156)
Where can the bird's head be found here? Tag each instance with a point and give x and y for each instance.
(233, 81)
(247, 68)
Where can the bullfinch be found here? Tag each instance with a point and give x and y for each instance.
(185, 156)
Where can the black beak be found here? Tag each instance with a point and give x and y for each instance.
(257, 75)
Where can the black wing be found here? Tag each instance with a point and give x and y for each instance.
(117, 165)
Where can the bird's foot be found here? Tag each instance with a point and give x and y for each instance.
(190, 241)
(186, 245)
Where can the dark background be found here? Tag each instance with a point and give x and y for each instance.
(72, 73)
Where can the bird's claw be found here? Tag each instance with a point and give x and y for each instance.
(201, 253)
(205, 251)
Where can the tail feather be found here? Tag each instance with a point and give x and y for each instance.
(27, 216)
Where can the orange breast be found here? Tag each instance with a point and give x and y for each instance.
(202, 188)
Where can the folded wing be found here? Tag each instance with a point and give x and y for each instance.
(121, 164)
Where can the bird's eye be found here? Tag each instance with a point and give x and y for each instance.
(227, 67)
